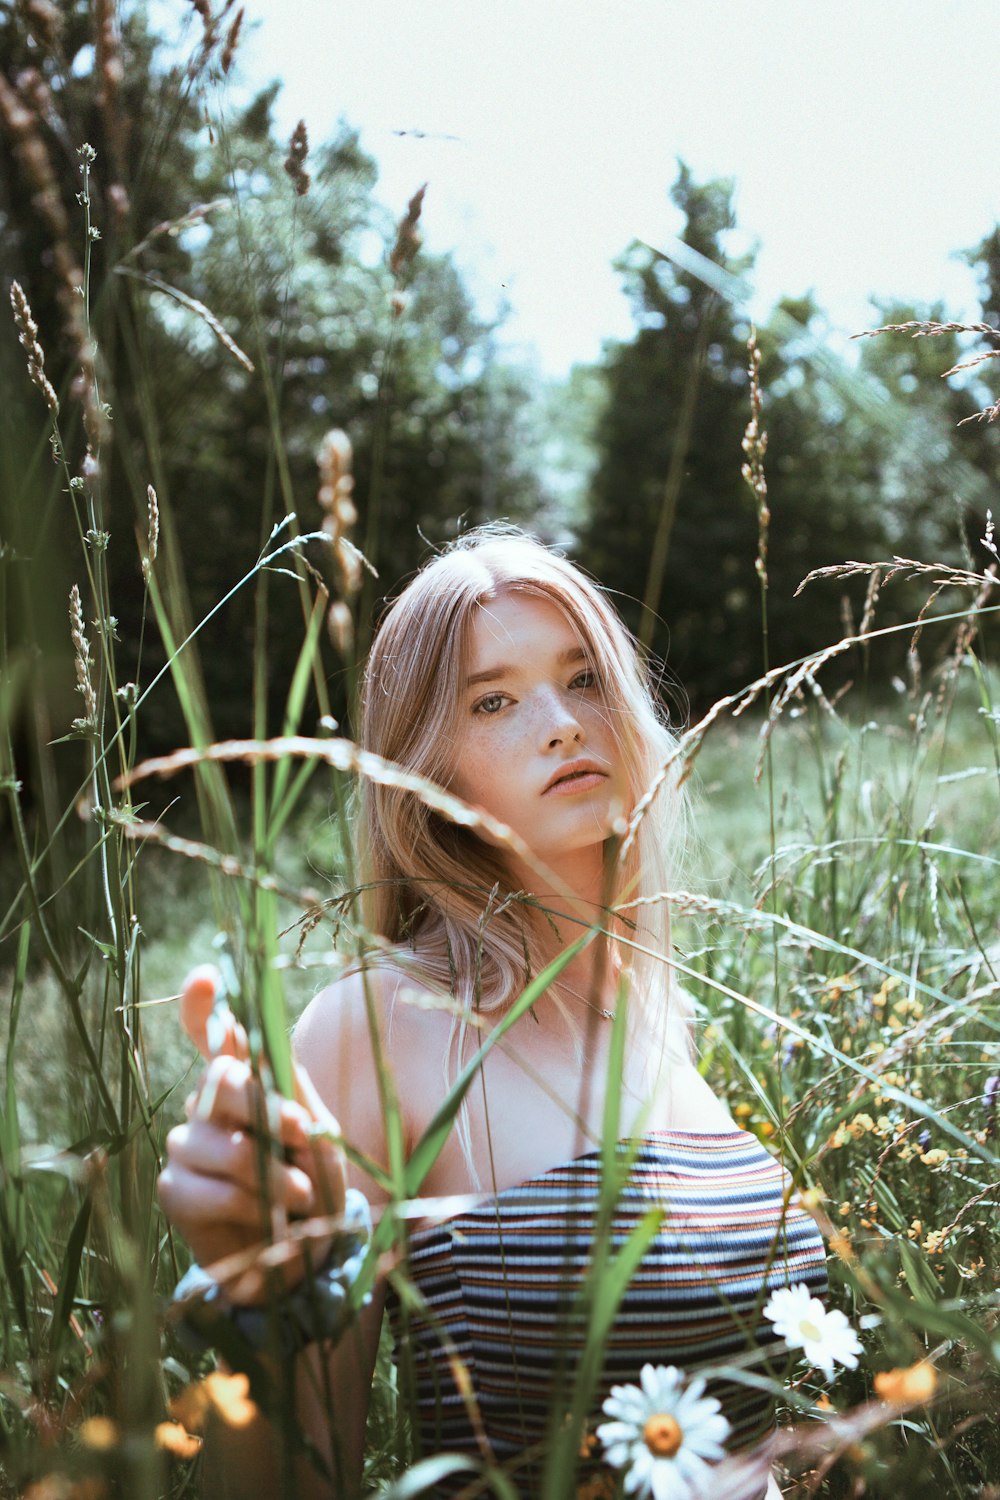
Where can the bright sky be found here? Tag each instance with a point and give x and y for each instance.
(862, 135)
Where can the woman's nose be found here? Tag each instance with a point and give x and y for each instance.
(560, 725)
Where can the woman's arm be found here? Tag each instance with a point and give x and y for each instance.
(250, 1462)
(211, 1191)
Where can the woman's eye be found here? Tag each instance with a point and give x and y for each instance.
(585, 679)
(490, 704)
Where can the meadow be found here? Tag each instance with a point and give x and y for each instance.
(835, 928)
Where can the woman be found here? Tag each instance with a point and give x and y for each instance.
(503, 675)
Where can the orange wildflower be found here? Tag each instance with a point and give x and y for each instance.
(228, 1396)
(99, 1433)
(174, 1438)
(908, 1386)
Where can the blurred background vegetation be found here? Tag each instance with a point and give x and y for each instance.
(643, 446)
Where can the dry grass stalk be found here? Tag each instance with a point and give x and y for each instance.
(21, 121)
(111, 75)
(755, 447)
(907, 567)
(198, 308)
(174, 227)
(37, 95)
(407, 244)
(967, 630)
(84, 390)
(344, 755)
(871, 601)
(941, 577)
(295, 161)
(204, 10)
(140, 831)
(81, 651)
(686, 750)
(152, 534)
(44, 20)
(929, 330)
(336, 486)
(232, 42)
(987, 540)
(27, 333)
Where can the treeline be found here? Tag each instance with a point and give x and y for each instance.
(243, 311)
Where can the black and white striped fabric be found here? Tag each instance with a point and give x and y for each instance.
(499, 1283)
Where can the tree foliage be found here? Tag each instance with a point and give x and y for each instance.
(205, 248)
(862, 462)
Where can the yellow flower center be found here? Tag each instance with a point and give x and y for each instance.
(663, 1435)
(808, 1330)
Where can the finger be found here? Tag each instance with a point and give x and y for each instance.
(203, 1206)
(206, 1017)
(324, 1164)
(229, 1094)
(196, 1193)
(236, 1155)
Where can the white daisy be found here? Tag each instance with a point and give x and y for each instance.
(664, 1432)
(825, 1338)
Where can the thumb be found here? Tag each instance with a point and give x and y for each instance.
(207, 1018)
(309, 1097)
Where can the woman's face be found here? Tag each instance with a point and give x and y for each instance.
(533, 744)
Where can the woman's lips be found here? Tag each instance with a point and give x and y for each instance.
(579, 781)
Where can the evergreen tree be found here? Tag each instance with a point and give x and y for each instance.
(669, 439)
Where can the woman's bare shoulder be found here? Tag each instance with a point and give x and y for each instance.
(385, 990)
(381, 1017)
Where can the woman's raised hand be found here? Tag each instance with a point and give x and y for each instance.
(211, 1187)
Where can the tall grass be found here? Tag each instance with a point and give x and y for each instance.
(841, 947)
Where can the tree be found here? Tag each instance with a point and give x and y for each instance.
(210, 262)
(690, 343)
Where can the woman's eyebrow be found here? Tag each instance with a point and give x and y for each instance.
(493, 674)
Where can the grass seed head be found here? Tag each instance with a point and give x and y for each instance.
(153, 534)
(336, 487)
(27, 333)
(408, 241)
(295, 161)
(81, 650)
(232, 42)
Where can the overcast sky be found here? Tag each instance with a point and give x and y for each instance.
(862, 136)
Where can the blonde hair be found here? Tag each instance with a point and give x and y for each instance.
(436, 890)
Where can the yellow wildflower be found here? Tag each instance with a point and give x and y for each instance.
(935, 1158)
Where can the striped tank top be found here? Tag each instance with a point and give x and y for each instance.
(498, 1283)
